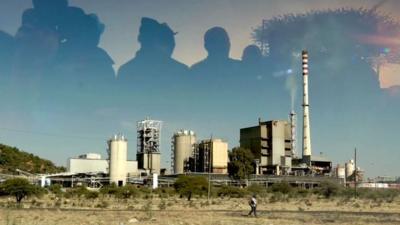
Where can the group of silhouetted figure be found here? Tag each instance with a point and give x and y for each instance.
(56, 51)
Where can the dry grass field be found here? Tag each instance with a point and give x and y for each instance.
(109, 211)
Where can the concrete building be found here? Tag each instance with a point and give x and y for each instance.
(210, 156)
(148, 145)
(87, 163)
(92, 166)
(182, 148)
(118, 154)
(271, 144)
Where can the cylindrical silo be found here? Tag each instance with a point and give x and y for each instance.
(350, 168)
(118, 153)
(183, 143)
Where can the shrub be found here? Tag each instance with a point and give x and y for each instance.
(111, 189)
(257, 189)
(328, 189)
(55, 189)
(79, 191)
(164, 192)
(281, 187)
(127, 191)
(230, 191)
(92, 194)
(162, 205)
(188, 185)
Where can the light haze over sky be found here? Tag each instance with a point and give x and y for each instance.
(190, 18)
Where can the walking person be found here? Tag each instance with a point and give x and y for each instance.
(253, 205)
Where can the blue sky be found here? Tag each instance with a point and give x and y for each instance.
(69, 132)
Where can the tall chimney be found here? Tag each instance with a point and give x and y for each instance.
(306, 113)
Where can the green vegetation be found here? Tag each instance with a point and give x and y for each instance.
(191, 185)
(281, 187)
(12, 158)
(241, 163)
(20, 188)
(231, 191)
(328, 189)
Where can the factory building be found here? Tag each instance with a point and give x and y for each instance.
(271, 144)
(87, 163)
(93, 166)
(148, 145)
(182, 148)
(117, 167)
(210, 155)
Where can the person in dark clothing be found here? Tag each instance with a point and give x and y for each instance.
(253, 206)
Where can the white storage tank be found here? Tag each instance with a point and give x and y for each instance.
(183, 143)
(350, 168)
(118, 153)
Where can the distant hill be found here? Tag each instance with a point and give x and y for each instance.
(12, 158)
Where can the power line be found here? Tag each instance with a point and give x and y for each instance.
(49, 134)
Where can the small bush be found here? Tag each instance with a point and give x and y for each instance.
(79, 191)
(232, 192)
(281, 187)
(257, 189)
(111, 189)
(92, 195)
(127, 191)
(162, 205)
(191, 185)
(102, 204)
(148, 210)
(55, 189)
(328, 189)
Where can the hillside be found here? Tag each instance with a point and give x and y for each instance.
(12, 158)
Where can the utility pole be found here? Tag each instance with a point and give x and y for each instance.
(355, 172)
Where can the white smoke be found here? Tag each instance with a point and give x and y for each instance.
(291, 86)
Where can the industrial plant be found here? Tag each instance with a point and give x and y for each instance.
(273, 144)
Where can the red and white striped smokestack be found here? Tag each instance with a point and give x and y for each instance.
(306, 113)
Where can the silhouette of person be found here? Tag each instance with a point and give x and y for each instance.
(7, 47)
(79, 57)
(153, 62)
(37, 38)
(252, 63)
(217, 66)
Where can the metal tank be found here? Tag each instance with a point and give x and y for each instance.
(350, 168)
(118, 153)
(183, 146)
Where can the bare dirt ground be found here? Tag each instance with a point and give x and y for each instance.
(198, 212)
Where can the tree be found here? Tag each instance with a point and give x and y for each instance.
(20, 188)
(191, 185)
(241, 163)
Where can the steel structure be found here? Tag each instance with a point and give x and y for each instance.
(148, 136)
(148, 145)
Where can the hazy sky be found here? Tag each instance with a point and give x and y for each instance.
(190, 18)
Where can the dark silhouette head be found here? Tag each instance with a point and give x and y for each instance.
(252, 53)
(81, 29)
(49, 12)
(217, 43)
(156, 37)
(47, 6)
